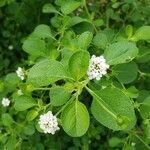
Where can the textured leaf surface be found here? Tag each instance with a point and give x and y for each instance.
(127, 72)
(75, 119)
(69, 6)
(78, 64)
(34, 46)
(59, 96)
(49, 8)
(46, 72)
(113, 109)
(120, 52)
(24, 102)
(42, 31)
(85, 40)
(143, 33)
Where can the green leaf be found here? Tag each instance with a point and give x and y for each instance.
(120, 52)
(49, 8)
(144, 55)
(131, 92)
(42, 31)
(69, 6)
(59, 95)
(126, 73)
(100, 40)
(11, 81)
(112, 108)
(143, 33)
(115, 141)
(32, 114)
(76, 20)
(29, 129)
(78, 64)
(11, 142)
(34, 46)
(46, 72)
(129, 30)
(7, 119)
(24, 102)
(85, 39)
(75, 119)
(145, 108)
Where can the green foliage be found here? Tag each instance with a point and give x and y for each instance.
(75, 119)
(120, 52)
(123, 74)
(113, 108)
(59, 95)
(85, 40)
(100, 40)
(34, 46)
(7, 119)
(45, 72)
(145, 108)
(78, 64)
(24, 102)
(53, 42)
(69, 6)
(143, 33)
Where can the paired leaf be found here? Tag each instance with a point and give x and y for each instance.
(85, 39)
(100, 40)
(120, 52)
(75, 119)
(59, 95)
(143, 33)
(126, 73)
(76, 20)
(113, 109)
(34, 46)
(24, 102)
(42, 31)
(78, 64)
(49, 8)
(46, 72)
(69, 6)
(32, 114)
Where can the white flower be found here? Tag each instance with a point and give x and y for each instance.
(19, 92)
(10, 47)
(5, 102)
(48, 123)
(20, 73)
(97, 67)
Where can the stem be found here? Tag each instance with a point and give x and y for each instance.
(89, 16)
(100, 102)
(41, 88)
(144, 74)
(63, 107)
(142, 141)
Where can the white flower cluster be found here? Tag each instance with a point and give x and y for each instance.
(97, 67)
(48, 123)
(5, 102)
(20, 73)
